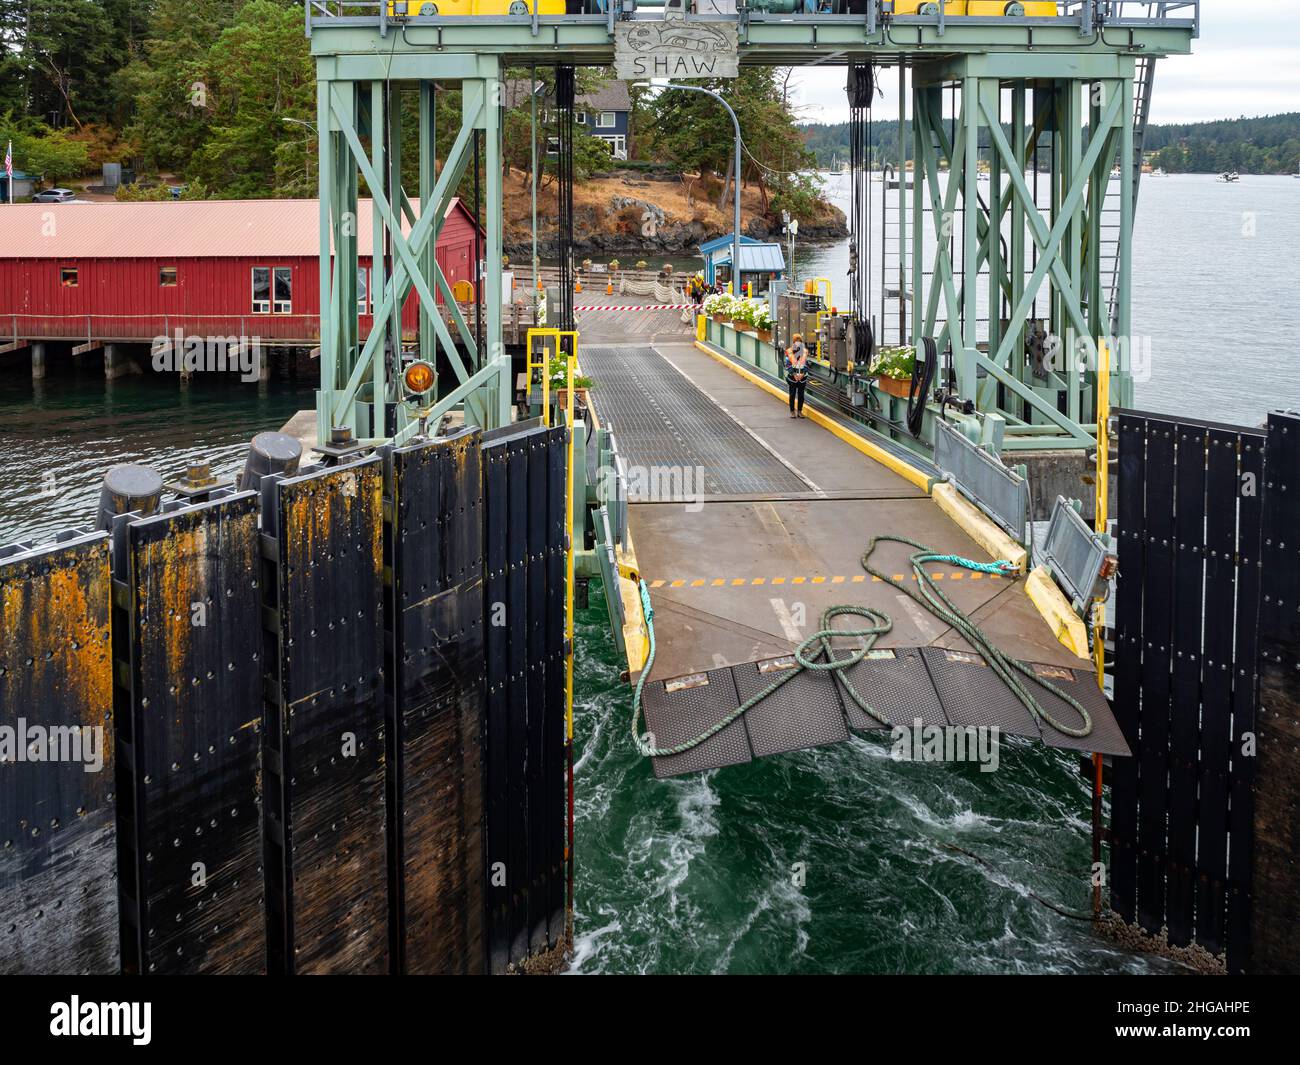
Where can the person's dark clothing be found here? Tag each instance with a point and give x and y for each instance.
(796, 375)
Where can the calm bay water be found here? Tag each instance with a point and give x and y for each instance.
(833, 860)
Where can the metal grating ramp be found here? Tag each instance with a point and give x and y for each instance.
(664, 424)
(938, 685)
(803, 712)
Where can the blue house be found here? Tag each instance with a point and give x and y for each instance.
(605, 113)
(760, 262)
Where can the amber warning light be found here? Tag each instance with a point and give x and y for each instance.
(418, 378)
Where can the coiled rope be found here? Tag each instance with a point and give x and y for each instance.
(815, 653)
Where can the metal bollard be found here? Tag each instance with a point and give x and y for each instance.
(127, 488)
(270, 453)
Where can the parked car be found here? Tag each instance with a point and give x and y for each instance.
(54, 196)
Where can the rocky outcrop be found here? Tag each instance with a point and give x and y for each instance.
(654, 214)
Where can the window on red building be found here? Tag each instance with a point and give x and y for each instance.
(167, 276)
(261, 290)
(283, 290)
(68, 276)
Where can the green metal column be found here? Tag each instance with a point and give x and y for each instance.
(428, 175)
(964, 356)
(1016, 329)
(1124, 250)
(379, 357)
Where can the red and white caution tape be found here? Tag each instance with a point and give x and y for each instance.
(636, 307)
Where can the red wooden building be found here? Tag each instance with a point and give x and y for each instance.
(128, 272)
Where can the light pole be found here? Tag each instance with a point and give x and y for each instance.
(735, 235)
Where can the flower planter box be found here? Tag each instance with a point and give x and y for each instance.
(894, 387)
(721, 319)
(743, 327)
(562, 399)
(765, 335)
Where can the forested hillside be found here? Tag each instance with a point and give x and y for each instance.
(1268, 145)
(220, 95)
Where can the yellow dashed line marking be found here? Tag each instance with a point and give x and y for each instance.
(756, 582)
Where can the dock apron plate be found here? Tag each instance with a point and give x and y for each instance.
(804, 712)
(58, 880)
(894, 682)
(938, 685)
(323, 731)
(434, 730)
(189, 709)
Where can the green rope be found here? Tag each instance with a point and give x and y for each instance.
(815, 653)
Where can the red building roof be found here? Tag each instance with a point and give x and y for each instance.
(179, 229)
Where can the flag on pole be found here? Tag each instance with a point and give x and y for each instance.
(9, 170)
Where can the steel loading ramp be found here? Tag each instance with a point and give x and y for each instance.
(738, 578)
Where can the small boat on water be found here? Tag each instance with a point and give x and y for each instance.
(1230, 177)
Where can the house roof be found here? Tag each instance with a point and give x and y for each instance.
(185, 229)
(756, 258)
(723, 242)
(608, 96)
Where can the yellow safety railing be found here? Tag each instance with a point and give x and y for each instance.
(572, 376)
(1100, 524)
(543, 362)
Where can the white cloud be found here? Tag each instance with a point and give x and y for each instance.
(1246, 62)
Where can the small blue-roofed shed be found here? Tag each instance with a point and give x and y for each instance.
(760, 262)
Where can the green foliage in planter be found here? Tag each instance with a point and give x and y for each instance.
(560, 376)
(894, 362)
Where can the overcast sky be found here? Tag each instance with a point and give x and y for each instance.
(1246, 62)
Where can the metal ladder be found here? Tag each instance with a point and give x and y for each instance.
(1143, 83)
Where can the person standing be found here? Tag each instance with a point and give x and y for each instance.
(796, 374)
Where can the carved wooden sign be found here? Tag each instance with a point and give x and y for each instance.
(676, 48)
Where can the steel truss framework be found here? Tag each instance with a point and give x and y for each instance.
(1027, 260)
(360, 376)
(364, 61)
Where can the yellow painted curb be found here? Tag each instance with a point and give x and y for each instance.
(1051, 603)
(636, 634)
(978, 527)
(891, 462)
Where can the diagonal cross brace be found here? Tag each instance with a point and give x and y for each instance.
(406, 271)
(1050, 243)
